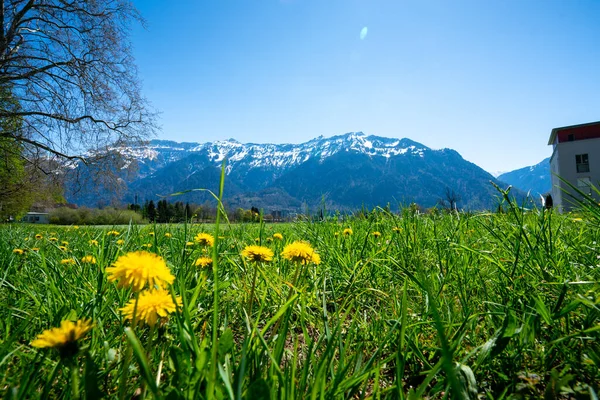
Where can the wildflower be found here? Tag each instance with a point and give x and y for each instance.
(53, 239)
(347, 232)
(27, 238)
(93, 242)
(257, 240)
(35, 249)
(138, 269)
(376, 234)
(278, 236)
(67, 261)
(396, 229)
(64, 243)
(65, 337)
(336, 234)
(151, 305)
(19, 251)
(112, 233)
(203, 262)
(146, 246)
(88, 259)
(120, 242)
(168, 235)
(62, 248)
(300, 252)
(188, 244)
(257, 253)
(151, 234)
(39, 236)
(75, 227)
(205, 239)
(269, 240)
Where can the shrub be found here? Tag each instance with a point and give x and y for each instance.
(87, 216)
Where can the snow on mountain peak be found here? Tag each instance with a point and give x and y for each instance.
(254, 155)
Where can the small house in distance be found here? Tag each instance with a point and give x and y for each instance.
(36, 218)
(576, 159)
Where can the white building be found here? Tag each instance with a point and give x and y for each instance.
(576, 159)
(36, 218)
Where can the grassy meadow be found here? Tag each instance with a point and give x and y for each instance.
(402, 306)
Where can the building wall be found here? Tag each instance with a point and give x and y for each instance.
(36, 218)
(563, 164)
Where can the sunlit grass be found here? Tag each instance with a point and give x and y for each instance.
(495, 304)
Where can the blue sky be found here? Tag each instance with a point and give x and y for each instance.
(489, 79)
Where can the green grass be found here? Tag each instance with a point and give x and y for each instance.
(450, 306)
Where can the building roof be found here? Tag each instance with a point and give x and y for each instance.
(556, 130)
(36, 213)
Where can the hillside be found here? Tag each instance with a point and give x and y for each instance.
(342, 172)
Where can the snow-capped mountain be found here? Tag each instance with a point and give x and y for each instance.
(344, 172)
(535, 179)
(280, 156)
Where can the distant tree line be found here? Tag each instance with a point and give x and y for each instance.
(163, 211)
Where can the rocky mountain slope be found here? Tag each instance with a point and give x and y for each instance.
(342, 172)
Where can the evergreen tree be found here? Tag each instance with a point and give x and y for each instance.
(151, 211)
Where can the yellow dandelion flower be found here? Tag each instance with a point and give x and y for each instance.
(112, 233)
(278, 236)
(65, 337)
(151, 234)
(75, 227)
(203, 262)
(152, 305)
(257, 240)
(269, 240)
(376, 234)
(120, 242)
(138, 269)
(35, 249)
(188, 244)
(257, 253)
(347, 232)
(19, 251)
(53, 239)
(88, 259)
(336, 234)
(67, 261)
(146, 246)
(64, 243)
(168, 235)
(300, 252)
(62, 248)
(93, 242)
(205, 239)
(396, 229)
(39, 236)
(27, 238)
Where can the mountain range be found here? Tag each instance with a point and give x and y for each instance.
(344, 172)
(535, 179)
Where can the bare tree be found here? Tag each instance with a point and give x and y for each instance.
(450, 200)
(68, 65)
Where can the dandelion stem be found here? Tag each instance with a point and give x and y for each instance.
(128, 354)
(74, 379)
(251, 300)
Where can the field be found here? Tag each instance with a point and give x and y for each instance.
(400, 306)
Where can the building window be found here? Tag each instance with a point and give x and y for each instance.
(585, 185)
(582, 162)
(37, 218)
